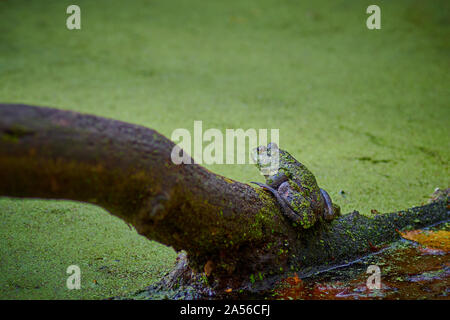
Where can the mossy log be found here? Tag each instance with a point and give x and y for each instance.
(234, 235)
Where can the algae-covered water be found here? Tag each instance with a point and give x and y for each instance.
(366, 110)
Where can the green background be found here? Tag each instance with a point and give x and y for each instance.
(366, 110)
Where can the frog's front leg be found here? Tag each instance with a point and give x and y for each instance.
(277, 179)
(286, 209)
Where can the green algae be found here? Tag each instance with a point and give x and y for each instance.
(40, 239)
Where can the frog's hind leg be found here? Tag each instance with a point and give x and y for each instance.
(287, 211)
(330, 212)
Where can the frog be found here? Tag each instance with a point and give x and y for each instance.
(294, 187)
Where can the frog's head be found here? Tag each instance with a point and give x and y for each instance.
(267, 158)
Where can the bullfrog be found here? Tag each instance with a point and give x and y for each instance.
(294, 187)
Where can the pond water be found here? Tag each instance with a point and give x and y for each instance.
(417, 267)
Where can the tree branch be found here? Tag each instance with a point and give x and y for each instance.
(127, 169)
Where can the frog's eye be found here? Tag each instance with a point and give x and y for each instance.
(261, 149)
(272, 145)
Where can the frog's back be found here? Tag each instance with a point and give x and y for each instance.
(298, 171)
